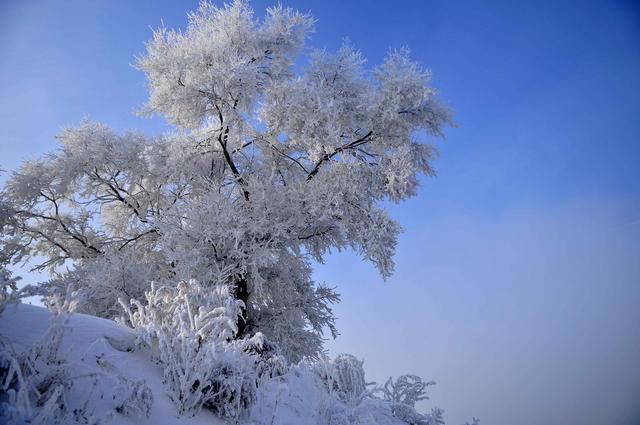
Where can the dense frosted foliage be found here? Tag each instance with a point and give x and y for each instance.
(268, 169)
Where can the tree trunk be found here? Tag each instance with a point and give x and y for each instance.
(242, 294)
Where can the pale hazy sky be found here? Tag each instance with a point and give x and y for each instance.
(518, 275)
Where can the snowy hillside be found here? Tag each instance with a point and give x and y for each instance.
(99, 346)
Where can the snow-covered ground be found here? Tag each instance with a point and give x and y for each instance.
(86, 370)
(100, 346)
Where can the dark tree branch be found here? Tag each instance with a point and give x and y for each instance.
(289, 157)
(128, 241)
(222, 141)
(80, 238)
(313, 235)
(364, 139)
(115, 189)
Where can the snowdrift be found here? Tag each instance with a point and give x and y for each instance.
(100, 347)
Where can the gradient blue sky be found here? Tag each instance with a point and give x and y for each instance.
(518, 277)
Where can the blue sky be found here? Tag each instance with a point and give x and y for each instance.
(518, 275)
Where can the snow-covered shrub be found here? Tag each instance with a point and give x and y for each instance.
(309, 394)
(187, 311)
(190, 326)
(344, 380)
(268, 360)
(407, 389)
(17, 400)
(347, 378)
(402, 396)
(335, 392)
(298, 397)
(240, 367)
(43, 386)
(234, 380)
(7, 282)
(37, 381)
(138, 402)
(34, 378)
(9, 293)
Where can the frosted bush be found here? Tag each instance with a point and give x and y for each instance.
(9, 293)
(234, 382)
(267, 357)
(240, 367)
(402, 396)
(137, 401)
(36, 381)
(41, 386)
(298, 396)
(188, 311)
(335, 392)
(407, 389)
(16, 402)
(348, 378)
(191, 327)
(7, 282)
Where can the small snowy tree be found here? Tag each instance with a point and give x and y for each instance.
(268, 170)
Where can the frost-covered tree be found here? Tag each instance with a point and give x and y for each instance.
(268, 170)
